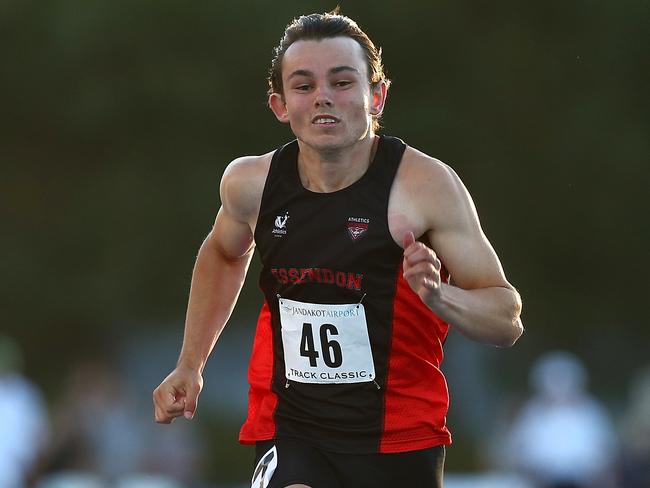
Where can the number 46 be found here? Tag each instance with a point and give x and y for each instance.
(332, 354)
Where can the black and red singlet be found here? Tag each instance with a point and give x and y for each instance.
(346, 356)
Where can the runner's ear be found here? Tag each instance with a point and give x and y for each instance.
(378, 93)
(279, 107)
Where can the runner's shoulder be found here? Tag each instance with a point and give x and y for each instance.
(247, 169)
(243, 180)
(425, 175)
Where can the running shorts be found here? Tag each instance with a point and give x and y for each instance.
(283, 462)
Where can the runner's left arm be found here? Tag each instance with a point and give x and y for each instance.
(481, 304)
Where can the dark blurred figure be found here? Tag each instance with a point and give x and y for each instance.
(103, 435)
(23, 418)
(91, 429)
(562, 437)
(635, 429)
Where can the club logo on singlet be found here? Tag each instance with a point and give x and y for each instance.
(357, 227)
(280, 225)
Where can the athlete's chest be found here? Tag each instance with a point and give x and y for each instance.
(352, 220)
(337, 229)
(365, 219)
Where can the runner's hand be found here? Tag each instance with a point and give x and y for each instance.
(421, 269)
(177, 395)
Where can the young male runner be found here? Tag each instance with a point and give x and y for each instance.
(358, 235)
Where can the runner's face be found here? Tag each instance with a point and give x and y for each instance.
(327, 98)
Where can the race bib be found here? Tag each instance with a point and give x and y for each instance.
(325, 343)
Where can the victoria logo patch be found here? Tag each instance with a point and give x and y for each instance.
(281, 225)
(357, 227)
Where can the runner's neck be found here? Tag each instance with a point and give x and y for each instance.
(326, 173)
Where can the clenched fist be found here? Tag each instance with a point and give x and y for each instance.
(177, 395)
(421, 269)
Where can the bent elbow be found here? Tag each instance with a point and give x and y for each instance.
(515, 326)
(515, 331)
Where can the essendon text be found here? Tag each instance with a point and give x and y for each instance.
(300, 276)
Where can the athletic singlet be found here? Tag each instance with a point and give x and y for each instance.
(346, 356)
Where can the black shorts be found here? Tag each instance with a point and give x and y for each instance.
(283, 462)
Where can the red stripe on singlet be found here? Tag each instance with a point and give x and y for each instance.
(416, 398)
(262, 402)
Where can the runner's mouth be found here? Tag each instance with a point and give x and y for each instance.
(325, 120)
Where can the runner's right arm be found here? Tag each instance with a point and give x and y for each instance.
(218, 277)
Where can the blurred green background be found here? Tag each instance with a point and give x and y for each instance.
(117, 120)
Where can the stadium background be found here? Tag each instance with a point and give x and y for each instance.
(118, 118)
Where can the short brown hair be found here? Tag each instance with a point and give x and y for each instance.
(326, 26)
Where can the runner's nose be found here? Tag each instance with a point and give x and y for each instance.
(323, 98)
(323, 102)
